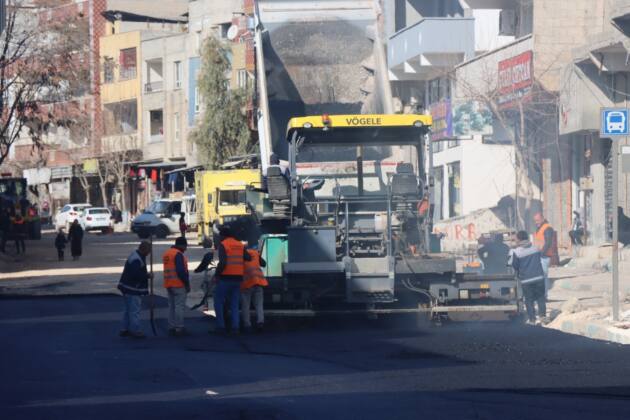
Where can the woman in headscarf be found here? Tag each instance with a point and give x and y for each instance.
(75, 237)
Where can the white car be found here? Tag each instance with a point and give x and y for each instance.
(68, 214)
(96, 218)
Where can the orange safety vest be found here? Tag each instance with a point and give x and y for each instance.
(171, 279)
(539, 240)
(234, 264)
(253, 275)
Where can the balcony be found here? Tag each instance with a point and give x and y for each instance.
(426, 49)
(153, 86)
(620, 17)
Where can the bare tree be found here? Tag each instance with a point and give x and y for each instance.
(44, 65)
(116, 159)
(524, 119)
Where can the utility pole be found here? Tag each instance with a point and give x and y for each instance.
(615, 228)
(615, 125)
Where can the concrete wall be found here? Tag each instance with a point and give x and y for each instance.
(558, 27)
(487, 173)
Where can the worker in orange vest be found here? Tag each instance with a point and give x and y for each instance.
(251, 289)
(545, 240)
(176, 282)
(19, 232)
(229, 275)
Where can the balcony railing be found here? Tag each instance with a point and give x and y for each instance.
(153, 86)
(156, 138)
(432, 36)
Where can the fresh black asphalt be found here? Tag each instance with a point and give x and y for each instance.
(61, 358)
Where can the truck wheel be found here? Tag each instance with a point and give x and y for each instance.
(143, 235)
(161, 231)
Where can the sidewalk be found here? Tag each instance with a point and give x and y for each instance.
(580, 301)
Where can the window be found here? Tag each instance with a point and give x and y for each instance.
(128, 64)
(454, 190)
(120, 118)
(197, 101)
(176, 126)
(178, 74)
(156, 125)
(108, 70)
(198, 40)
(232, 198)
(241, 78)
(222, 30)
(438, 198)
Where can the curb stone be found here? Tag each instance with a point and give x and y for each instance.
(594, 330)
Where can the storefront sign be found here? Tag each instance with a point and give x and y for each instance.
(60, 190)
(442, 120)
(61, 172)
(37, 176)
(471, 118)
(90, 166)
(515, 79)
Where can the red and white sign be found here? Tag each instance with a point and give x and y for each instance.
(515, 78)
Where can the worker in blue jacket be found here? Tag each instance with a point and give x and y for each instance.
(134, 283)
(526, 261)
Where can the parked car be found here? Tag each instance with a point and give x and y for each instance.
(96, 218)
(68, 214)
(162, 217)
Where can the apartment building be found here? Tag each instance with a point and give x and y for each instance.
(595, 76)
(489, 71)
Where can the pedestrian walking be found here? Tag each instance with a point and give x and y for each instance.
(133, 284)
(182, 225)
(252, 290)
(229, 274)
(526, 261)
(60, 244)
(5, 228)
(75, 237)
(577, 230)
(177, 284)
(18, 231)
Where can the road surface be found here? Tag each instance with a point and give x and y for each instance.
(62, 359)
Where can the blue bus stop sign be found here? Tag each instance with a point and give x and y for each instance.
(614, 122)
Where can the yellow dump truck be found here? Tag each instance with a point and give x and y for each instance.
(222, 197)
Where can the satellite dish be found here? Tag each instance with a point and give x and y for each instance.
(232, 32)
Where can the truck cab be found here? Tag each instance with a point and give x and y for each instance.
(222, 197)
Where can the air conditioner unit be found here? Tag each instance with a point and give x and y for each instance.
(507, 22)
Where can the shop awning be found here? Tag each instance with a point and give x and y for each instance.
(186, 169)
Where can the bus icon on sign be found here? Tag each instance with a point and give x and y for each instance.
(614, 122)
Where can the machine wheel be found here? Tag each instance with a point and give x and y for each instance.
(161, 231)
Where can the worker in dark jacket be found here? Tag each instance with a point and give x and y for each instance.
(5, 228)
(526, 261)
(19, 233)
(230, 270)
(134, 284)
(493, 255)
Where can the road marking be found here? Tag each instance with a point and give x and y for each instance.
(211, 392)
